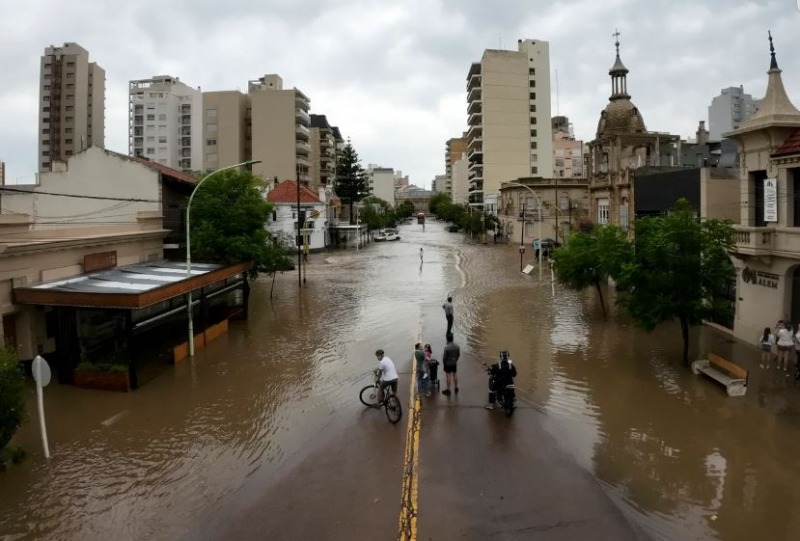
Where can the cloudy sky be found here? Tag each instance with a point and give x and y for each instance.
(392, 74)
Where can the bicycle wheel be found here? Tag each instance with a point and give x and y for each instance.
(393, 409)
(369, 396)
(509, 407)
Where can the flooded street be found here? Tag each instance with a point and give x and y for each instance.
(185, 455)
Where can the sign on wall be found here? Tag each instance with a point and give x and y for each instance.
(760, 278)
(770, 199)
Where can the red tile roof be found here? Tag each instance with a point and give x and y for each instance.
(286, 192)
(790, 146)
(167, 171)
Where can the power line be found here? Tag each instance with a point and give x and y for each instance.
(37, 192)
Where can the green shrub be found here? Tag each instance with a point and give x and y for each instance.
(12, 395)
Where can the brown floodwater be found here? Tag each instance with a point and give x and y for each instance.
(680, 457)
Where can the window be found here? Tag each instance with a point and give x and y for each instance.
(47, 130)
(534, 133)
(602, 211)
(151, 150)
(533, 120)
(45, 165)
(533, 95)
(70, 108)
(533, 108)
(46, 98)
(211, 142)
(162, 150)
(68, 118)
(163, 139)
(532, 71)
(534, 170)
(211, 114)
(151, 138)
(47, 153)
(532, 83)
(46, 120)
(163, 117)
(151, 117)
(47, 87)
(623, 214)
(67, 130)
(70, 96)
(211, 128)
(67, 141)
(559, 163)
(151, 126)
(45, 109)
(534, 145)
(534, 158)
(72, 65)
(68, 153)
(70, 75)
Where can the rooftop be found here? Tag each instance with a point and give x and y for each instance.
(286, 192)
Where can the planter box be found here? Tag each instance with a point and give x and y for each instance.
(103, 381)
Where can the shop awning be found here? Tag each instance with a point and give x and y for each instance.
(130, 287)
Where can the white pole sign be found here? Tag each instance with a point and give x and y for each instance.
(770, 200)
(41, 373)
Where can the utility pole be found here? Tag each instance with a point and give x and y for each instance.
(522, 237)
(297, 237)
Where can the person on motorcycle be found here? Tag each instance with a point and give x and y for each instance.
(502, 374)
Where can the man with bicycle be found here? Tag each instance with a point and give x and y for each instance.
(387, 372)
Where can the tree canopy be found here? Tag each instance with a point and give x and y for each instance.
(404, 209)
(438, 199)
(352, 183)
(680, 270)
(376, 213)
(229, 215)
(589, 259)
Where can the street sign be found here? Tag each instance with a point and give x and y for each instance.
(41, 371)
(314, 214)
(527, 269)
(770, 199)
(521, 249)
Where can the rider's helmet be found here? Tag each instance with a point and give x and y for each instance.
(503, 354)
(379, 353)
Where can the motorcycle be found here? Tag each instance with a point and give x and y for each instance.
(505, 398)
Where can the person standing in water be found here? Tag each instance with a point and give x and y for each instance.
(448, 314)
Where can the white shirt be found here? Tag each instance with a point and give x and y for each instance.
(785, 337)
(386, 366)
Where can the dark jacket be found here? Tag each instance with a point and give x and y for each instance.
(504, 373)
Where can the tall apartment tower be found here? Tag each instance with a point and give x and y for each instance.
(226, 134)
(455, 148)
(280, 128)
(165, 122)
(508, 107)
(323, 152)
(71, 104)
(728, 110)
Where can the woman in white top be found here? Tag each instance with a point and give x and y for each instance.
(785, 344)
(767, 340)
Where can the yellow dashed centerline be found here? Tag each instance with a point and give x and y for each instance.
(407, 529)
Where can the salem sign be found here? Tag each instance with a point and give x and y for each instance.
(760, 278)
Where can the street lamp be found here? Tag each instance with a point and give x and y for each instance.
(189, 245)
(538, 224)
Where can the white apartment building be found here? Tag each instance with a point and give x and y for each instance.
(728, 110)
(459, 178)
(567, 156)
(72, 93)
(382, 182)
(508, 107)
(440, 184)
(165, 122)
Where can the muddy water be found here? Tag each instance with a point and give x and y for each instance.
(683, 459)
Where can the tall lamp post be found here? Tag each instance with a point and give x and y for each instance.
(189, 245)
(538, 224)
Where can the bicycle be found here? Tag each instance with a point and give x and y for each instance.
(390, 402)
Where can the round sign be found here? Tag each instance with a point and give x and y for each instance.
(41, 371)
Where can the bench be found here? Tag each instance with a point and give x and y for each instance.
(729, 374)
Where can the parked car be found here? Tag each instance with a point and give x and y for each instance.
(453, 228)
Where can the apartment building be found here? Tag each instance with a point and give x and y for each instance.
(567, 156)
(459, 179)
(269, 123)
(323, 152)
(165, 121)
(766, 252)
(440, 184)
(2, 173)
(728, 110)
(508, 107)
(226, 129)
(382, 182)
(455, 148)
(71, 104)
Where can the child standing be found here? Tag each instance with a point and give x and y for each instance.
(767, 341)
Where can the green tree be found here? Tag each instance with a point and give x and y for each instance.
(12, 395)
(376, 213)
(229, 215)
(438, 199)
(404, 210)
(589, 259)
(679, 270)
(352, 184)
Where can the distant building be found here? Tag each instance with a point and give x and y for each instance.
(268, 123)
(323, 152)
(460, 180)
(508, 107)
(728, 110)
(71, 104)
(562, 124)
(567, 156)
(381, 182)
(165, 122)
(419, 197)
(2, 173)
(455, 148)
(400, 180)
(284, 215)
(439, 184)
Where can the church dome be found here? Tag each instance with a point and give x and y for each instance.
(620, 116)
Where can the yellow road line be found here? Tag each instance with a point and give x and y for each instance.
(407, 528)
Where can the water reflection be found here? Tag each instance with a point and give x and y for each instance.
(690, 462)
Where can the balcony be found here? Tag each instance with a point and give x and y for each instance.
(302, 161)
(475, 154)
(474, 132)
(475, 119)
(475, 106)
(302, 117)
(186, 141)
(302, 148)
(475, 142)
(766, 241)
(302, 132)
(474, 94)
(473, 81)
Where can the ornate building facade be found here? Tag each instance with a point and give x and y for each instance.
(622, 145)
